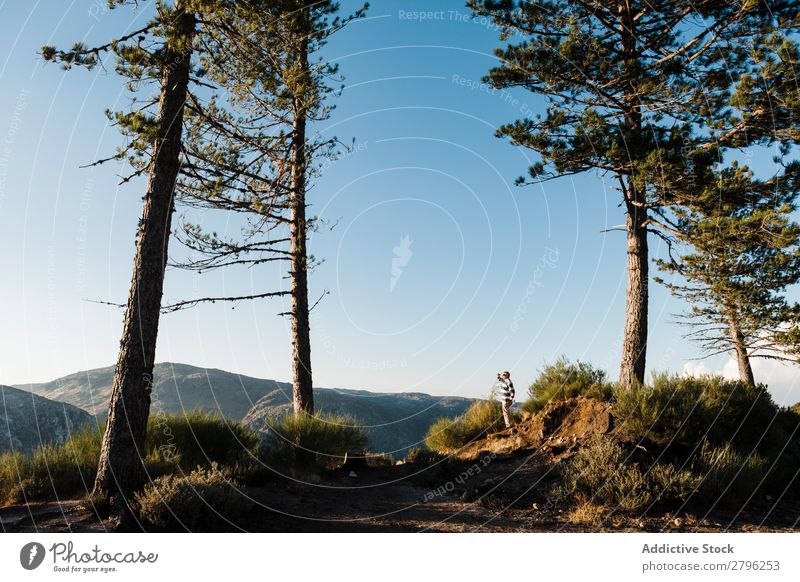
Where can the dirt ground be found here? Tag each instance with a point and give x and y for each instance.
(495, 493)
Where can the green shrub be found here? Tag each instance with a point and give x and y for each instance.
(728, 476)
(604, 474)
(781, 445)
(566, 379)
(447, 435)
(744, 414)
(379, 460)
(685, 410)
(670, 484)
(599, 472)
(57, 470)
(173, 443)
(199, 438)
(443, 436)
(300, 442)
(206, 499)
(423, 456)
(661, 413)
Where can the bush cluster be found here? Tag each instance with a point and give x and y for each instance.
(450, 434)
(174, 444)
(684, 410)
(53, 471)
(604, 473)
(199, 438)
(683, 415)
(207, 499)
(565, 379)
(303, 442)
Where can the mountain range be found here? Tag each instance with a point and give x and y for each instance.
(176, 388)
(394, 422)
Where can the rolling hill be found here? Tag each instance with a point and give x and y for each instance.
(176, 388)
(28, 421)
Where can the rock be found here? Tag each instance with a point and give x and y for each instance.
(28, 421)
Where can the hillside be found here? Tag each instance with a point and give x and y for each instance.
(395, 422)
(176, 387)
(503, 482)
(28, 421)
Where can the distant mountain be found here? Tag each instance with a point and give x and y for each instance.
(394, 422)
(28, 421)
(176, 387)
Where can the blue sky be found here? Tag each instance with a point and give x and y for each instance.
(487, 276)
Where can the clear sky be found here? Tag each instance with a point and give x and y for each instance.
(440, 271)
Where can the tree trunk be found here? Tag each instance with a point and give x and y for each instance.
(634, 345)
(302, 391)
(742, 357)
(121, 471)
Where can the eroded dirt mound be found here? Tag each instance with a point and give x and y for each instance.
(561, 425)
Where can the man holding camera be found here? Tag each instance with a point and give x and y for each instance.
(505, 391)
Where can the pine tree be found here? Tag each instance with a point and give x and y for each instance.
(161, 53)
(742, 252)
(255, 152)
(650, 94)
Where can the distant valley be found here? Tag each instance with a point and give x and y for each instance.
(395, 421)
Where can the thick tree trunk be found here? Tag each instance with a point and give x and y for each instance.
(302, 391)
(742, 357)
(634, 345)
(121, 472)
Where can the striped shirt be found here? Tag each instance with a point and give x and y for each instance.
(504, 389)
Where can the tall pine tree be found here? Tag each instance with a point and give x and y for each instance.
(160, 53)
(642, 92)
(742, 250)
(256, 152)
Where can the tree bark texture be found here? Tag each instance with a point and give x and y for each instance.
(121, 471)
(742, 357)
(634, 343)
(302, 390)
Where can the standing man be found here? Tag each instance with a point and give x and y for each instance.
(505, 391)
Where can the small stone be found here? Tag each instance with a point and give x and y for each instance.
(352, 475)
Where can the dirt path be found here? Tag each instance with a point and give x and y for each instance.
(492, 494)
